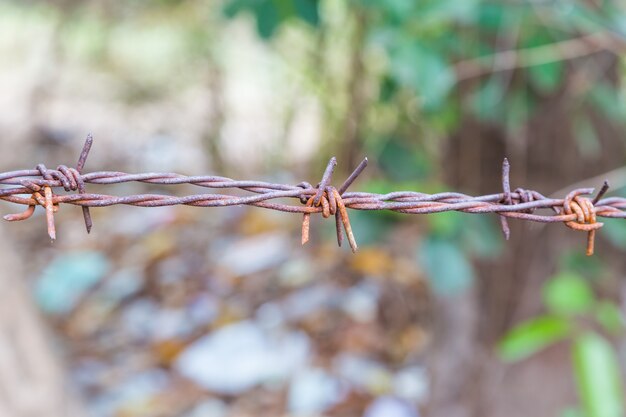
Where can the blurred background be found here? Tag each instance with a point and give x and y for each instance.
(191, 312)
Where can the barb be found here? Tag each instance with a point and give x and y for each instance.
(506, 187)
(79, 183)
(575, 211)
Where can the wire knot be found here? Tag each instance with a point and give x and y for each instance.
(584, 210)
(69, 178)
(329, 201)
(523, 196)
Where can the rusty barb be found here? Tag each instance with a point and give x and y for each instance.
(331, 201)
(36, 187)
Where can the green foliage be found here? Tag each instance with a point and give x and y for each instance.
(598, 376)
(420, 68)
(271, 14)
(575, 315)
(547, 77)
(567, 294)
(420, 42)
(533, 336)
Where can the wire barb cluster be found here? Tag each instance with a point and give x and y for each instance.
(36, 187)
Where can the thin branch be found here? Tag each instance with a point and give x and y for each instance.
(545, 54)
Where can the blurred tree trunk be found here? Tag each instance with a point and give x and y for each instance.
(32, 380)
(544, 156)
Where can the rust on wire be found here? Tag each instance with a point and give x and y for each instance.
(36, 187)
(506, 187)
(79, 183)
(331, 202)
(585, 212)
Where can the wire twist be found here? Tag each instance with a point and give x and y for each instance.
(70, 179)
(36, 188)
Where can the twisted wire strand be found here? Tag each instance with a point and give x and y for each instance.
(574, 210)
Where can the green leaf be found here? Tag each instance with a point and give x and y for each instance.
(490, 16)
(233, 7)
(268, 18)
(308, 10)
(598, 378)
(532, 336)
(610, 317)
(270, 14)
(446, 266)
(567, 294)
(388, 89)
(547, 77)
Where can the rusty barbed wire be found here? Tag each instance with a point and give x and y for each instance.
(36, 187)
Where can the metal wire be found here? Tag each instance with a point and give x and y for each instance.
(36, 188)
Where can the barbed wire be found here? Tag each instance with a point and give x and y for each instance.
(36, 187)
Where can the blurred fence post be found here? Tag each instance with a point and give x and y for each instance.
(32, 380)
